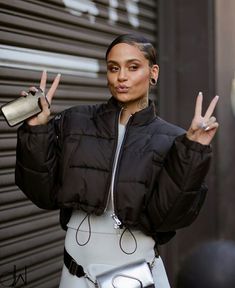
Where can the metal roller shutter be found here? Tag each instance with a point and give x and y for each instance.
(68, 37)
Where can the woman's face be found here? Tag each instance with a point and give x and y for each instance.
(128, 73)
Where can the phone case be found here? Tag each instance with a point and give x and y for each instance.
(22, 108)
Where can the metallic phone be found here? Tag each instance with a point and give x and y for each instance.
(22, 108)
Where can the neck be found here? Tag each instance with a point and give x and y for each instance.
(131, 108)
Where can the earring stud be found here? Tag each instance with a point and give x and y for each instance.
(153, 81)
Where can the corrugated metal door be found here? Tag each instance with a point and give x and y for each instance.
(68, 37)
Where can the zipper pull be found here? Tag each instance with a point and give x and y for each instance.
(117, 222)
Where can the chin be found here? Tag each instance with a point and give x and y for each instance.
(122, 98)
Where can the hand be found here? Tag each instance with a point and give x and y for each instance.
(203, 129)
(43, 116)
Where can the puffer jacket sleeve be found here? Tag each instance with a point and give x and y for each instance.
(180, 190)
(37, 158)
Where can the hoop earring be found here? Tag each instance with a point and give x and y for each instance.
(153, 81)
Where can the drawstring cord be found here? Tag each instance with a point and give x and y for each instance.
(89, 230)
(120, 241)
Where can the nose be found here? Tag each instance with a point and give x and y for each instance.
(122, 75)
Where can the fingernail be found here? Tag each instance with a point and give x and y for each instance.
(58, 75)
(24, 93)
(200, 93)
(34, 89)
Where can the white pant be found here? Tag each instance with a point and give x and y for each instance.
(103, 252)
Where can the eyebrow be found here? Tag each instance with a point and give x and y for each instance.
(128, 61)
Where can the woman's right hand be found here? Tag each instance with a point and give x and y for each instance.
(43, 117)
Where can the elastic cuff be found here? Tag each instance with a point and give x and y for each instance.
(193, 145)
(35, 129)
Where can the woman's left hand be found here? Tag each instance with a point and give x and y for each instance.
(203, 129)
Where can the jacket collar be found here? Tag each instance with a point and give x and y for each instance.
(139, 118)
(107, 115)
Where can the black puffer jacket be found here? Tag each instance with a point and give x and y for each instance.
(68, 164)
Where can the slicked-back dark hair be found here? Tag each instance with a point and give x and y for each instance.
(136, 40)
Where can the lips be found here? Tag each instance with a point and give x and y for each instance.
(122, 88)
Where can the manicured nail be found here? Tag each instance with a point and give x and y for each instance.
(24, 93)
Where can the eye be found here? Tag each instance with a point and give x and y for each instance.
(113, 68)
(133, 67)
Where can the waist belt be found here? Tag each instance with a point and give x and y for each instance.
(73, 267)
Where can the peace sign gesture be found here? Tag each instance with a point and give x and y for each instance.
(43, 116)
(203, 129)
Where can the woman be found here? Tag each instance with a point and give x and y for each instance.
(123, 178)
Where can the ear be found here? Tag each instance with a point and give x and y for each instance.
(154, 71)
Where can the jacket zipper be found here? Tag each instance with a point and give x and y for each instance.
(117, 222)
(112, 162)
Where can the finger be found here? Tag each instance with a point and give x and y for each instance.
(43, 81)
(212, 126)
(33, 90)
(24, 93)
(205, 125)
(211, 107)
(44, 105)
(198, 107)
(48, 103)
(211, 120)
(53, 87)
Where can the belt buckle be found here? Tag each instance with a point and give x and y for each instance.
(73, 267)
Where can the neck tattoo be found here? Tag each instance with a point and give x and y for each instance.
(142, 103)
